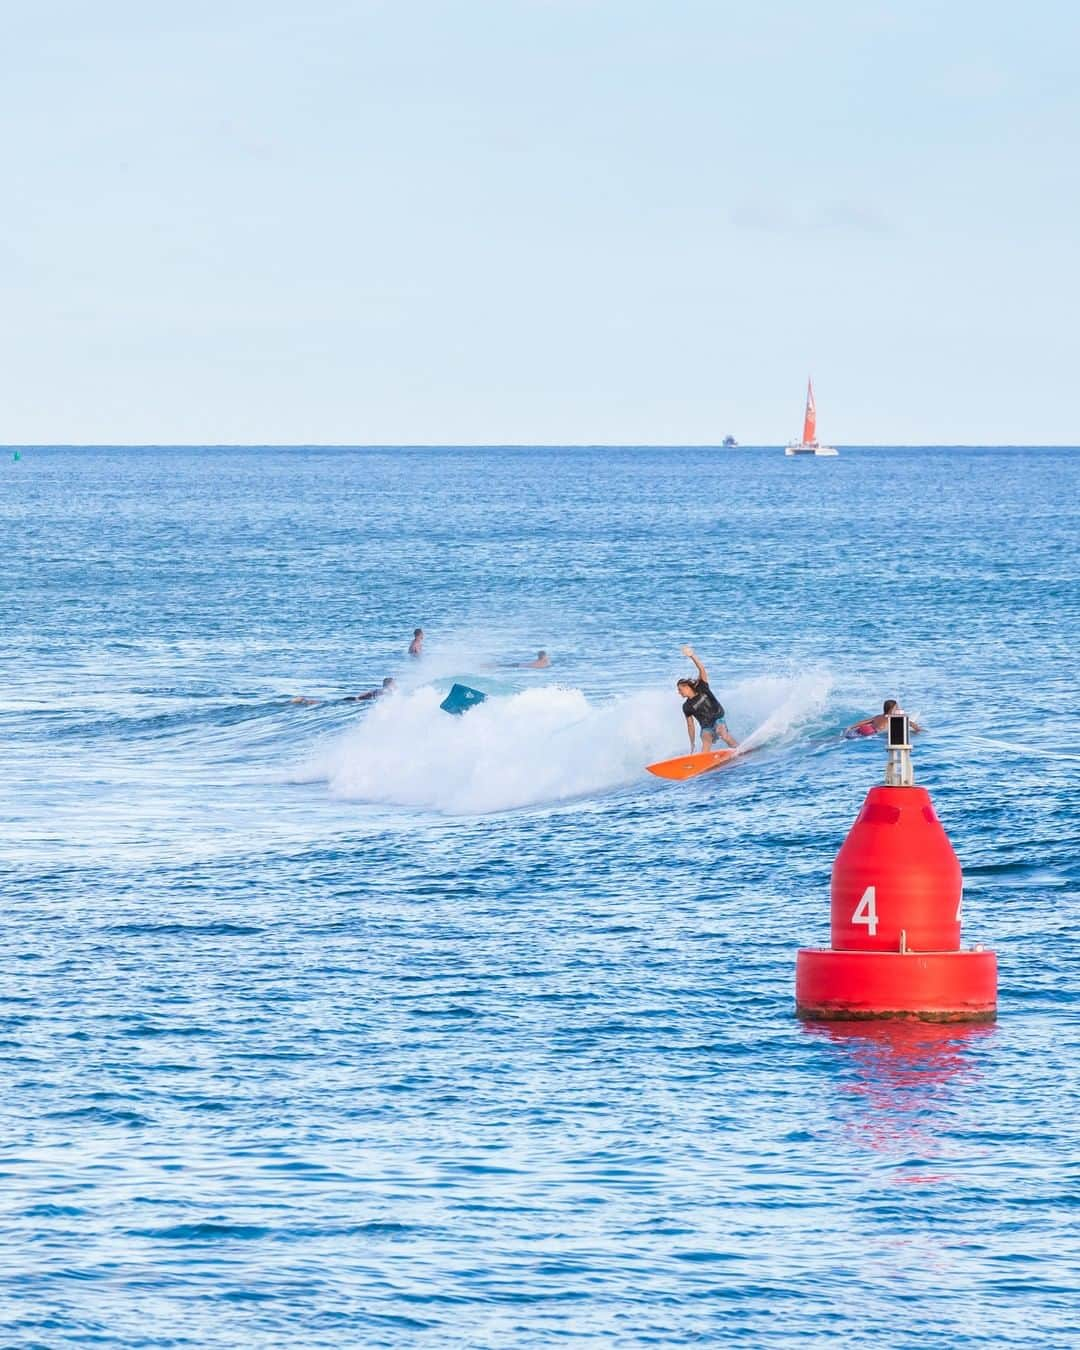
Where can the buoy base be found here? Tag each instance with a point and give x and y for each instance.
(844, 986)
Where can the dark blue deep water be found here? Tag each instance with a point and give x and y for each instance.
(338, 1024)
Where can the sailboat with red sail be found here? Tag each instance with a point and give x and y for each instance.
(809, 445)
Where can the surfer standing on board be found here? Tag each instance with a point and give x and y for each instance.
(703, 707)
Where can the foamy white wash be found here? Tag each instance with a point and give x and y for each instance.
(540, 746)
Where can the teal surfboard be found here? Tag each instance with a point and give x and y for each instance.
(460, 699)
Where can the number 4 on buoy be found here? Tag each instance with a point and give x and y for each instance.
(866, 911)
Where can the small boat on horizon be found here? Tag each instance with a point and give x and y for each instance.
(809, 445)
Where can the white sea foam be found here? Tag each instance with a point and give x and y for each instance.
(540, 746)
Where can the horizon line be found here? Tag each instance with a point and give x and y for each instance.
(524, 445)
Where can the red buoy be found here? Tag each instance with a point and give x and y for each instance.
(897, 892)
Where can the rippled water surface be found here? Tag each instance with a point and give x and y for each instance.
(334, 1024)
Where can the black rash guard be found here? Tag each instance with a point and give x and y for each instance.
(703, 704)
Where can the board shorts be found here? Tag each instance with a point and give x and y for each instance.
(713, 728)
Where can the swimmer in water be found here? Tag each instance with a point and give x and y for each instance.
(387, 687)
(416, 646)
(541, 663)
(873, 726)
(702, 707)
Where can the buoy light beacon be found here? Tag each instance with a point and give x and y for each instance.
(897, 891)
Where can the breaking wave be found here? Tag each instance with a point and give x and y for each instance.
(540, 746)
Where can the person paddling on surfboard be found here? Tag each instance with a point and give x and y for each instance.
(387, 687)
(702, 707)
(873, 726)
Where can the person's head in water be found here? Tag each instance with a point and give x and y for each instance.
(389, 683)
(416, 646)
(888, 706)
(417, 633)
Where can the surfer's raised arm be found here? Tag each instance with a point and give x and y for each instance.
(703, 674)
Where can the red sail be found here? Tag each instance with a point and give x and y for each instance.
(809, 428)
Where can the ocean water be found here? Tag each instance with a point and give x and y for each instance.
(335, 1024)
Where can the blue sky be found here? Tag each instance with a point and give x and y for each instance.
(575, 221)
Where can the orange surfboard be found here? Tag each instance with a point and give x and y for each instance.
(689, 766)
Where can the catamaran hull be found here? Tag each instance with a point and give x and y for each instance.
(810, 450)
